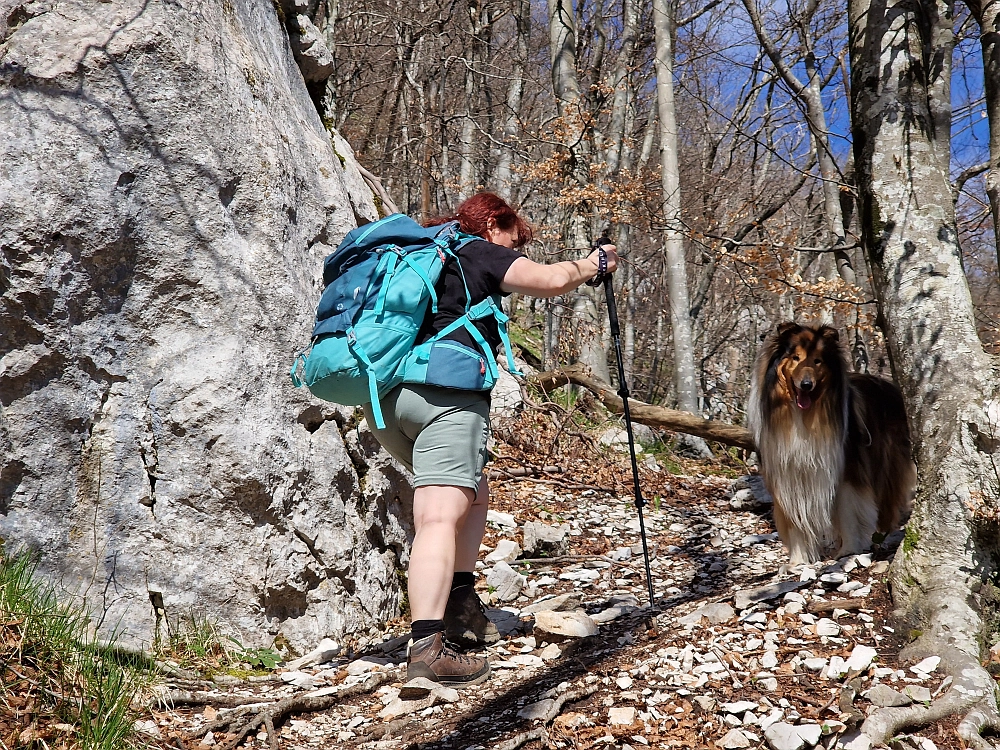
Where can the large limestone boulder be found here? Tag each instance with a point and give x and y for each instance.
(167, 195)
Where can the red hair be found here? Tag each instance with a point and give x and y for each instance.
(474, 214)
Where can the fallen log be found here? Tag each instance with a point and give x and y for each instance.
(654, 416)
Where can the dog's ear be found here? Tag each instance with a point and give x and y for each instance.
(786, 329)
(830, 334)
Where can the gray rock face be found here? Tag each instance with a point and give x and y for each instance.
(167, 195)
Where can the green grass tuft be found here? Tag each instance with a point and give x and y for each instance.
(61, 686)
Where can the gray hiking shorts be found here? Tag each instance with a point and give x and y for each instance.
(437, 433)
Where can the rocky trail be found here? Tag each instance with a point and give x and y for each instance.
(740, 652)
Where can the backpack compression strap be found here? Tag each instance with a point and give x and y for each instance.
(492, 305)
(359, 353)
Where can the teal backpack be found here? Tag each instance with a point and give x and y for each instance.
(379, 285)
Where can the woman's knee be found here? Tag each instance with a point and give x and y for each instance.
(441, 505)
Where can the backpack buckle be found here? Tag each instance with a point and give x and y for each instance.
(351, 337)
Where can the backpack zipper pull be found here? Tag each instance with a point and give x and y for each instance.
(482, 366)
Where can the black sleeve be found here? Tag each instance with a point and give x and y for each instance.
(492, 261)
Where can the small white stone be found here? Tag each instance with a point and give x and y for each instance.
(774, 716)
(884, 696)
(767, 682)
(299, 679)
(624, 682)
(814, 664)
(769, 660)
(855, 740)
(740, 707)
(502, 520)
(810, 733)
(734, 740)
(715, 613)
(325, 651)
(861, 658)
(918, 693)
(506, 551)
(621, 715)
(826, 626)
(527, 660)
(564, 624)
(927, 666)
(782, 736)
(836, 669)
(550, 652)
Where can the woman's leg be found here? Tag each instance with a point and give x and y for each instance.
(470, 534)
(465, 620)
(439, 512)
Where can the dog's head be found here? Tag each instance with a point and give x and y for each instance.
(805, 362)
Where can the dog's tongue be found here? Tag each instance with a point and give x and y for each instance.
(803, 401)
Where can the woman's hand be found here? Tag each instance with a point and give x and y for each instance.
(612, 257)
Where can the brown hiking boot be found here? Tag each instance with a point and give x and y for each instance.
(465, 620)
(432, 658)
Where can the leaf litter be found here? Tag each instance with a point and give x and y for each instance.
(740, 651)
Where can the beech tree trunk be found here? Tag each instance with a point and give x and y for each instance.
(566, 86)
(685, 380)
(522, 21)
(900, 70)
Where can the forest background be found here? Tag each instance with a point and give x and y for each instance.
(730, 190)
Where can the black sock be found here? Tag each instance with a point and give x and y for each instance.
(463, 578)
(423, 628)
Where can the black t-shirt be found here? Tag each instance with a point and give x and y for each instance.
(484, 265)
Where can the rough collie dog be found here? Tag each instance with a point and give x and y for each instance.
(834, 445)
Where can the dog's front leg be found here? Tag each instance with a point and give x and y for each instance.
(855, 516)
(801, 549)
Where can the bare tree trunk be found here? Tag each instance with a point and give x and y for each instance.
(467, 142)
(685, 380)
(515, 91)
(622, 86)
(467, 170)
(566, 86)
(987, 12)
(901, 143)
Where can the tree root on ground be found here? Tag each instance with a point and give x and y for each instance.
(973, 693)
(541, 733)
(241, 722)
(524, 738)
(172, 698)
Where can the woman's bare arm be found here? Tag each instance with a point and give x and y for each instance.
(552, 279)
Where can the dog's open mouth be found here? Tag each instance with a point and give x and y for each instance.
(802, 400)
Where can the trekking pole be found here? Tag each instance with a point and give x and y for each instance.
(609, 293)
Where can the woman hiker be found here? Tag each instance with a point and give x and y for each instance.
(440, 434)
